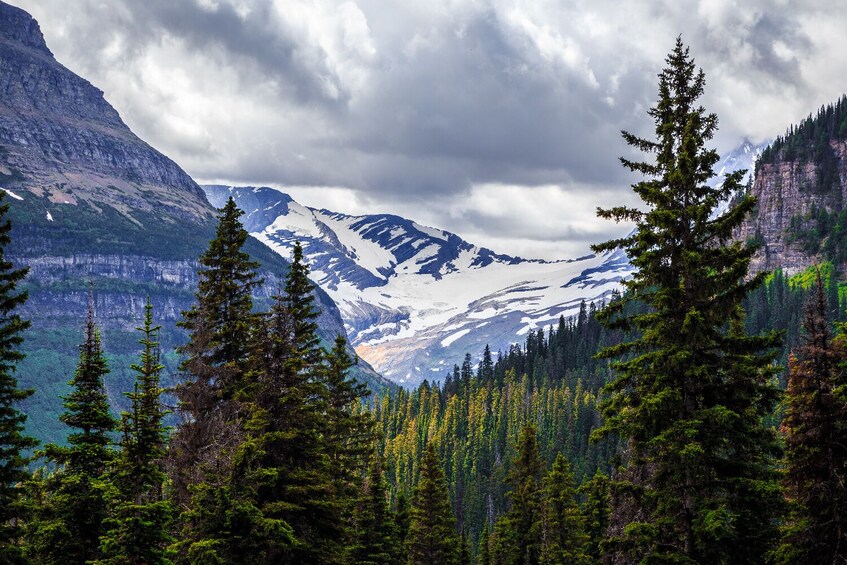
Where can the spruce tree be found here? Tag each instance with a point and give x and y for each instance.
(563, 528)
(376, 539)
(815, 427)
(71, 522)
(524, 517)
(215, 358)
(432, 538)
(595, 510)
(13, 440)
(138, 526)
(349, 435)
(283, 470)
(690, 392)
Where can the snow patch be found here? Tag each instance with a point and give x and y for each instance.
(450, 339)
(12, 194)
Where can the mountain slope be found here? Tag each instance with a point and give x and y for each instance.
(414, 298)
(91, 202)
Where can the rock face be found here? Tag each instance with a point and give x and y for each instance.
(788, 203)
(61, 141)
(91, 202)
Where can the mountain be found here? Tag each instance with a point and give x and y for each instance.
(415, 298)
(801, 187)
(91, 202)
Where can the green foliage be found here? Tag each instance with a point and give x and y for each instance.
(522, 532)
(564, 539)
(215, 358)
(432, 538)
(596, 510)
(138, 523)
(376, 540)
(692, 388)
(13, 441)
(68, 525)
(816, 443)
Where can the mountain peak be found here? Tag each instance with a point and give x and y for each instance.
(17, 26)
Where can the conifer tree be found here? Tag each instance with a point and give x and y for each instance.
(402, 518)
(525, 514)
(138, 526)
(70, 524)
(283, 470)
(376, 539)
(13, 440)
(815, 427)
(596, 510)
(349, 435)
(216, 358)
(563, 528)
(432, 538)
(484, 551)
(689, 395)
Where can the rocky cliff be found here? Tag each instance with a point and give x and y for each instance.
(801, 188)
(91, 202)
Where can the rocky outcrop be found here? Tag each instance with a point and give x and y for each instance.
(788, 203)
(61, 140)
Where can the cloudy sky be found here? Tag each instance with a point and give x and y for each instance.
(498, 120)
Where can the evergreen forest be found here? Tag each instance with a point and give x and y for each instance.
(698, 416)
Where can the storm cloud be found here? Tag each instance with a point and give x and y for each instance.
(499, 120)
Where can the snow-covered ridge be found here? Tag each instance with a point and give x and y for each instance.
(416, 298)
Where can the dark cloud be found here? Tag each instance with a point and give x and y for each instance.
(409, 103)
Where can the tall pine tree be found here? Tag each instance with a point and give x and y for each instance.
(69, 526)
(216, 357)
(523, 520)
(138, 526)
(284, 471)
(432, 538)
(689, 393)
(13, 441)
(563, 538)
(815, 427)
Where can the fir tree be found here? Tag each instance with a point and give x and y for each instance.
(137, 529)
(596, 510)
(525, 514)
(349, 437)
(13, 441)
(283, 470)
(69, 525)
(563, 528)
(376, 540)
(689, 394)
(432, 538)
(815, 480)
(484, 551)
(216, 355)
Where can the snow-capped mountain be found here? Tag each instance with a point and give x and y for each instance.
(415, 299)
